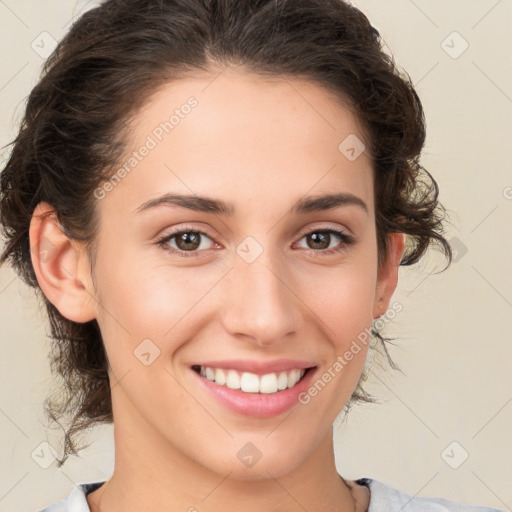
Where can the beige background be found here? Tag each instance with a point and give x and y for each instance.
(453, 337)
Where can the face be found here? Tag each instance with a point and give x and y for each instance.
(266, 283)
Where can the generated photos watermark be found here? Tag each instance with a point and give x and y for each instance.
(151, 142)
(363, 338)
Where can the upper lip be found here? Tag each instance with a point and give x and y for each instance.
(258, 367)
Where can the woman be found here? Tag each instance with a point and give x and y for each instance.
(213, 199)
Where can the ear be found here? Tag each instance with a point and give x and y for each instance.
(387, 278)
(61, 266)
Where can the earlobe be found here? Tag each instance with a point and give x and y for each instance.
(388, 276)
(59, 266)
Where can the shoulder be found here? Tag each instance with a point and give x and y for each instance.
(384, 498)
(76, 500)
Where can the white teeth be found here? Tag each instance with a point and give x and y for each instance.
(268, 383)
(282, 381)
(250, 382)
(220, 376)
(295, 376)
(233, 379)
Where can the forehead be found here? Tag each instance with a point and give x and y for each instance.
(243, 137)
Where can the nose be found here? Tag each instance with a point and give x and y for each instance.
(259, 301)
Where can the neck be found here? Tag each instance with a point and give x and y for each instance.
(152, 474)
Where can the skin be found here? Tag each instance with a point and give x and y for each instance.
(262, 145)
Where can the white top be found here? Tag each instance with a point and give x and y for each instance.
(382, 499)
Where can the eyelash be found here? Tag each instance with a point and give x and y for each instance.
(346, 241)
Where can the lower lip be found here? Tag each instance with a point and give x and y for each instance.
(258, 405)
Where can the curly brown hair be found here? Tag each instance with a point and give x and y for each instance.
(105, 69)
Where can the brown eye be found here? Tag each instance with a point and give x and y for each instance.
(185, 241)
(321, 240)
(188, 240)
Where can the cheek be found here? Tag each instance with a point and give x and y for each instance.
(143, 300)
(342, 298)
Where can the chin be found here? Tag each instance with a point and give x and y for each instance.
(277, 465)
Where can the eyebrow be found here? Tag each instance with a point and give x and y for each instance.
(216, 206)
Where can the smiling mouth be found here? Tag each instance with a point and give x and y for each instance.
(248, 382)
